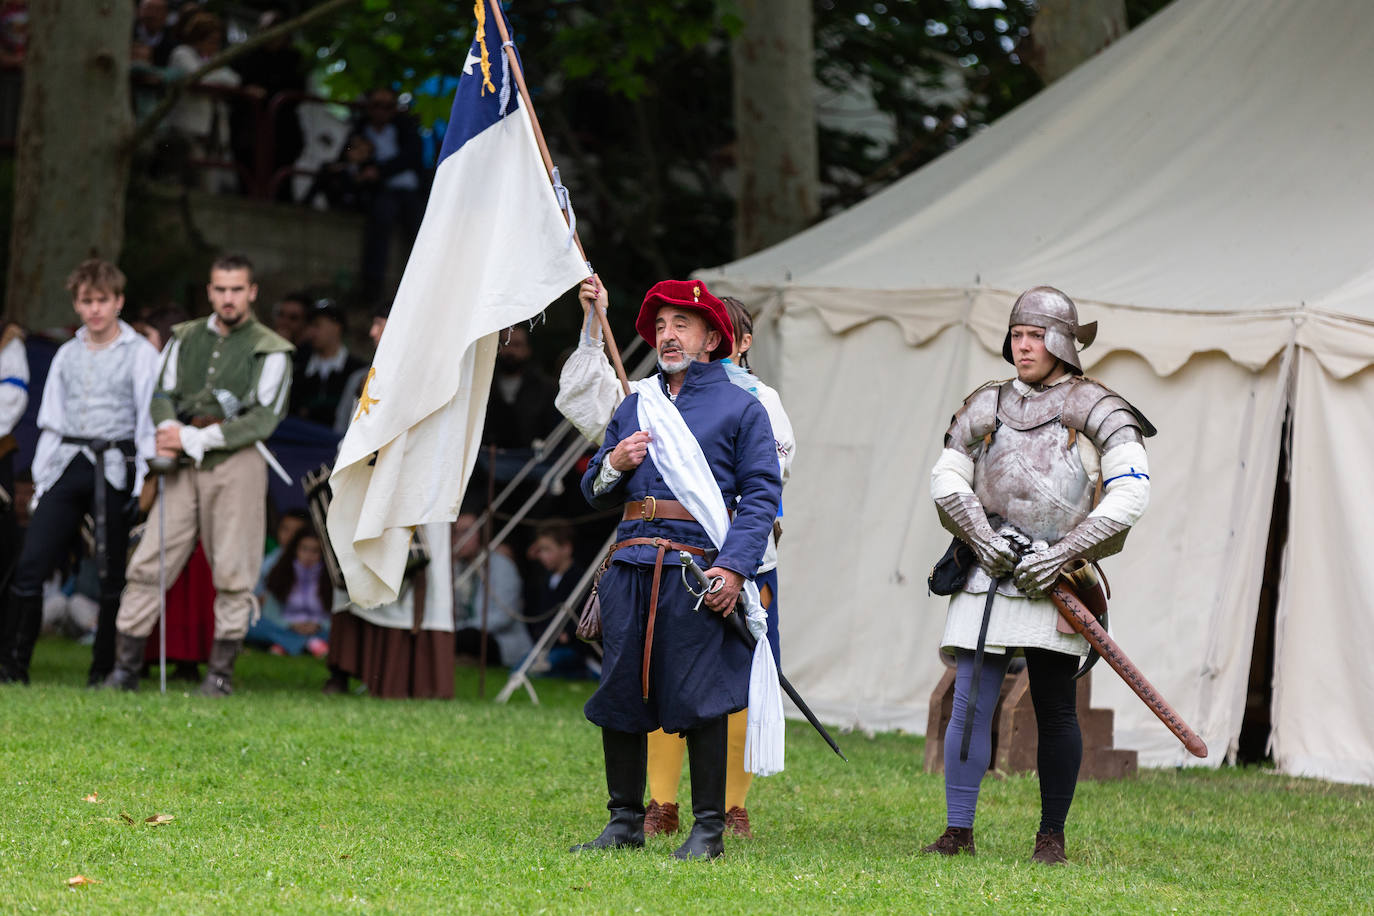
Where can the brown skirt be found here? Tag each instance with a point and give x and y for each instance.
(392, 663)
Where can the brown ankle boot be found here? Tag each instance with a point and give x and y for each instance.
(660, 819)
(737, 823)
(1049, 849)
(952, 842)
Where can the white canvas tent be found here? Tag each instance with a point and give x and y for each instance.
(1205, 190)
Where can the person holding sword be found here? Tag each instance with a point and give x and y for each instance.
(222, 388)
(686, 446)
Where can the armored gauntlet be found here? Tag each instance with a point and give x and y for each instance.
(1093, 538)
(963, 516)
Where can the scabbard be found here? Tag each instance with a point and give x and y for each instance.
(1071, 608)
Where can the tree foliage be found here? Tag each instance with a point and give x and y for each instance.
(636, 102)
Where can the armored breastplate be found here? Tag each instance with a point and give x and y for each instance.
(1029, 475)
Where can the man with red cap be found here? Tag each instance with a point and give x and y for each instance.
(691, 458)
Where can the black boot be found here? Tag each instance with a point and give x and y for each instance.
(627, 756)
(219, 672)
(706, 761)
(102, 652)
(128, 655)
(16, 646)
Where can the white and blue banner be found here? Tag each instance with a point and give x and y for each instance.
(493, 250)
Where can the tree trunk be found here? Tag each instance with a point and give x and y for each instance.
(73, 152)
(775, 123)
(1067, 32)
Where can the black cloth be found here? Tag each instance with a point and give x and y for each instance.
(10, 544)
(468, 642)
(410, 155)
(531, 415)
(52, 534)
(339, 183)
(393, 210)
(274, 70)
(698, 669)
(160, 46)
(543, 602)
(317, 399)
(1054, 694)
(543, 598)
(56, 523)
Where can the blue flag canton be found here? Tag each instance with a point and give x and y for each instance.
(477, 104)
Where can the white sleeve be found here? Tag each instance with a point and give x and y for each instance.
(52, 418)
(783, 438)
(14, 385)
(606, 478)
(953, 473)
(1126, 484)
(196, 442)
(588, 390)
(169, 364)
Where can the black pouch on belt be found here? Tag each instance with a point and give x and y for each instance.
(951, 571)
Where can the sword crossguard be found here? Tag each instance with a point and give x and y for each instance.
(708, 586)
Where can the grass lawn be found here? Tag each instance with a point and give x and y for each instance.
(288, 801)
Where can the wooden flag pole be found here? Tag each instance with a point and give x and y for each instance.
(509, 49)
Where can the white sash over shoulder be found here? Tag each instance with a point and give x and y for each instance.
(678, 457)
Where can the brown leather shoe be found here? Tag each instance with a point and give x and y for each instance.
(660, 820)
(1049, 849)
(737, 823)
(952, 842)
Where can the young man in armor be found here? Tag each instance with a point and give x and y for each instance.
(1017, 482)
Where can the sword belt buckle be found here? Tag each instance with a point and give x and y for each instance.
(648, 508)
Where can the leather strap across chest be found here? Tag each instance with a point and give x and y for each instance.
(663, 545)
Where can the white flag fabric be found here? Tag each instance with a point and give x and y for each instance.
(493, 250)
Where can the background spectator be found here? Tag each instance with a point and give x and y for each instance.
(153, 39)
(265, 71)
(318, 389)
(14, 400)
(14, 33)
(291, 522)
(353, 390)
(297, 600)
(520, 408)
(156, 324)
(398, 202)
(201, 119)
(291, 319)
(507, 638)
(341, 182)
(557, 573)
(14, 43)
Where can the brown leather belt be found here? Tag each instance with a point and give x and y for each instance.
(664, 545)
(649, 509)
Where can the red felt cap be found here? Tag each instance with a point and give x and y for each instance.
(686, 294)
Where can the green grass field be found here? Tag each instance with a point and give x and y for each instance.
(288, 801)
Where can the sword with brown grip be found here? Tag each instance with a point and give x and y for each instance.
(1071, 608)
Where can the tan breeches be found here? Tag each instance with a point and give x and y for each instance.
(225, 508)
